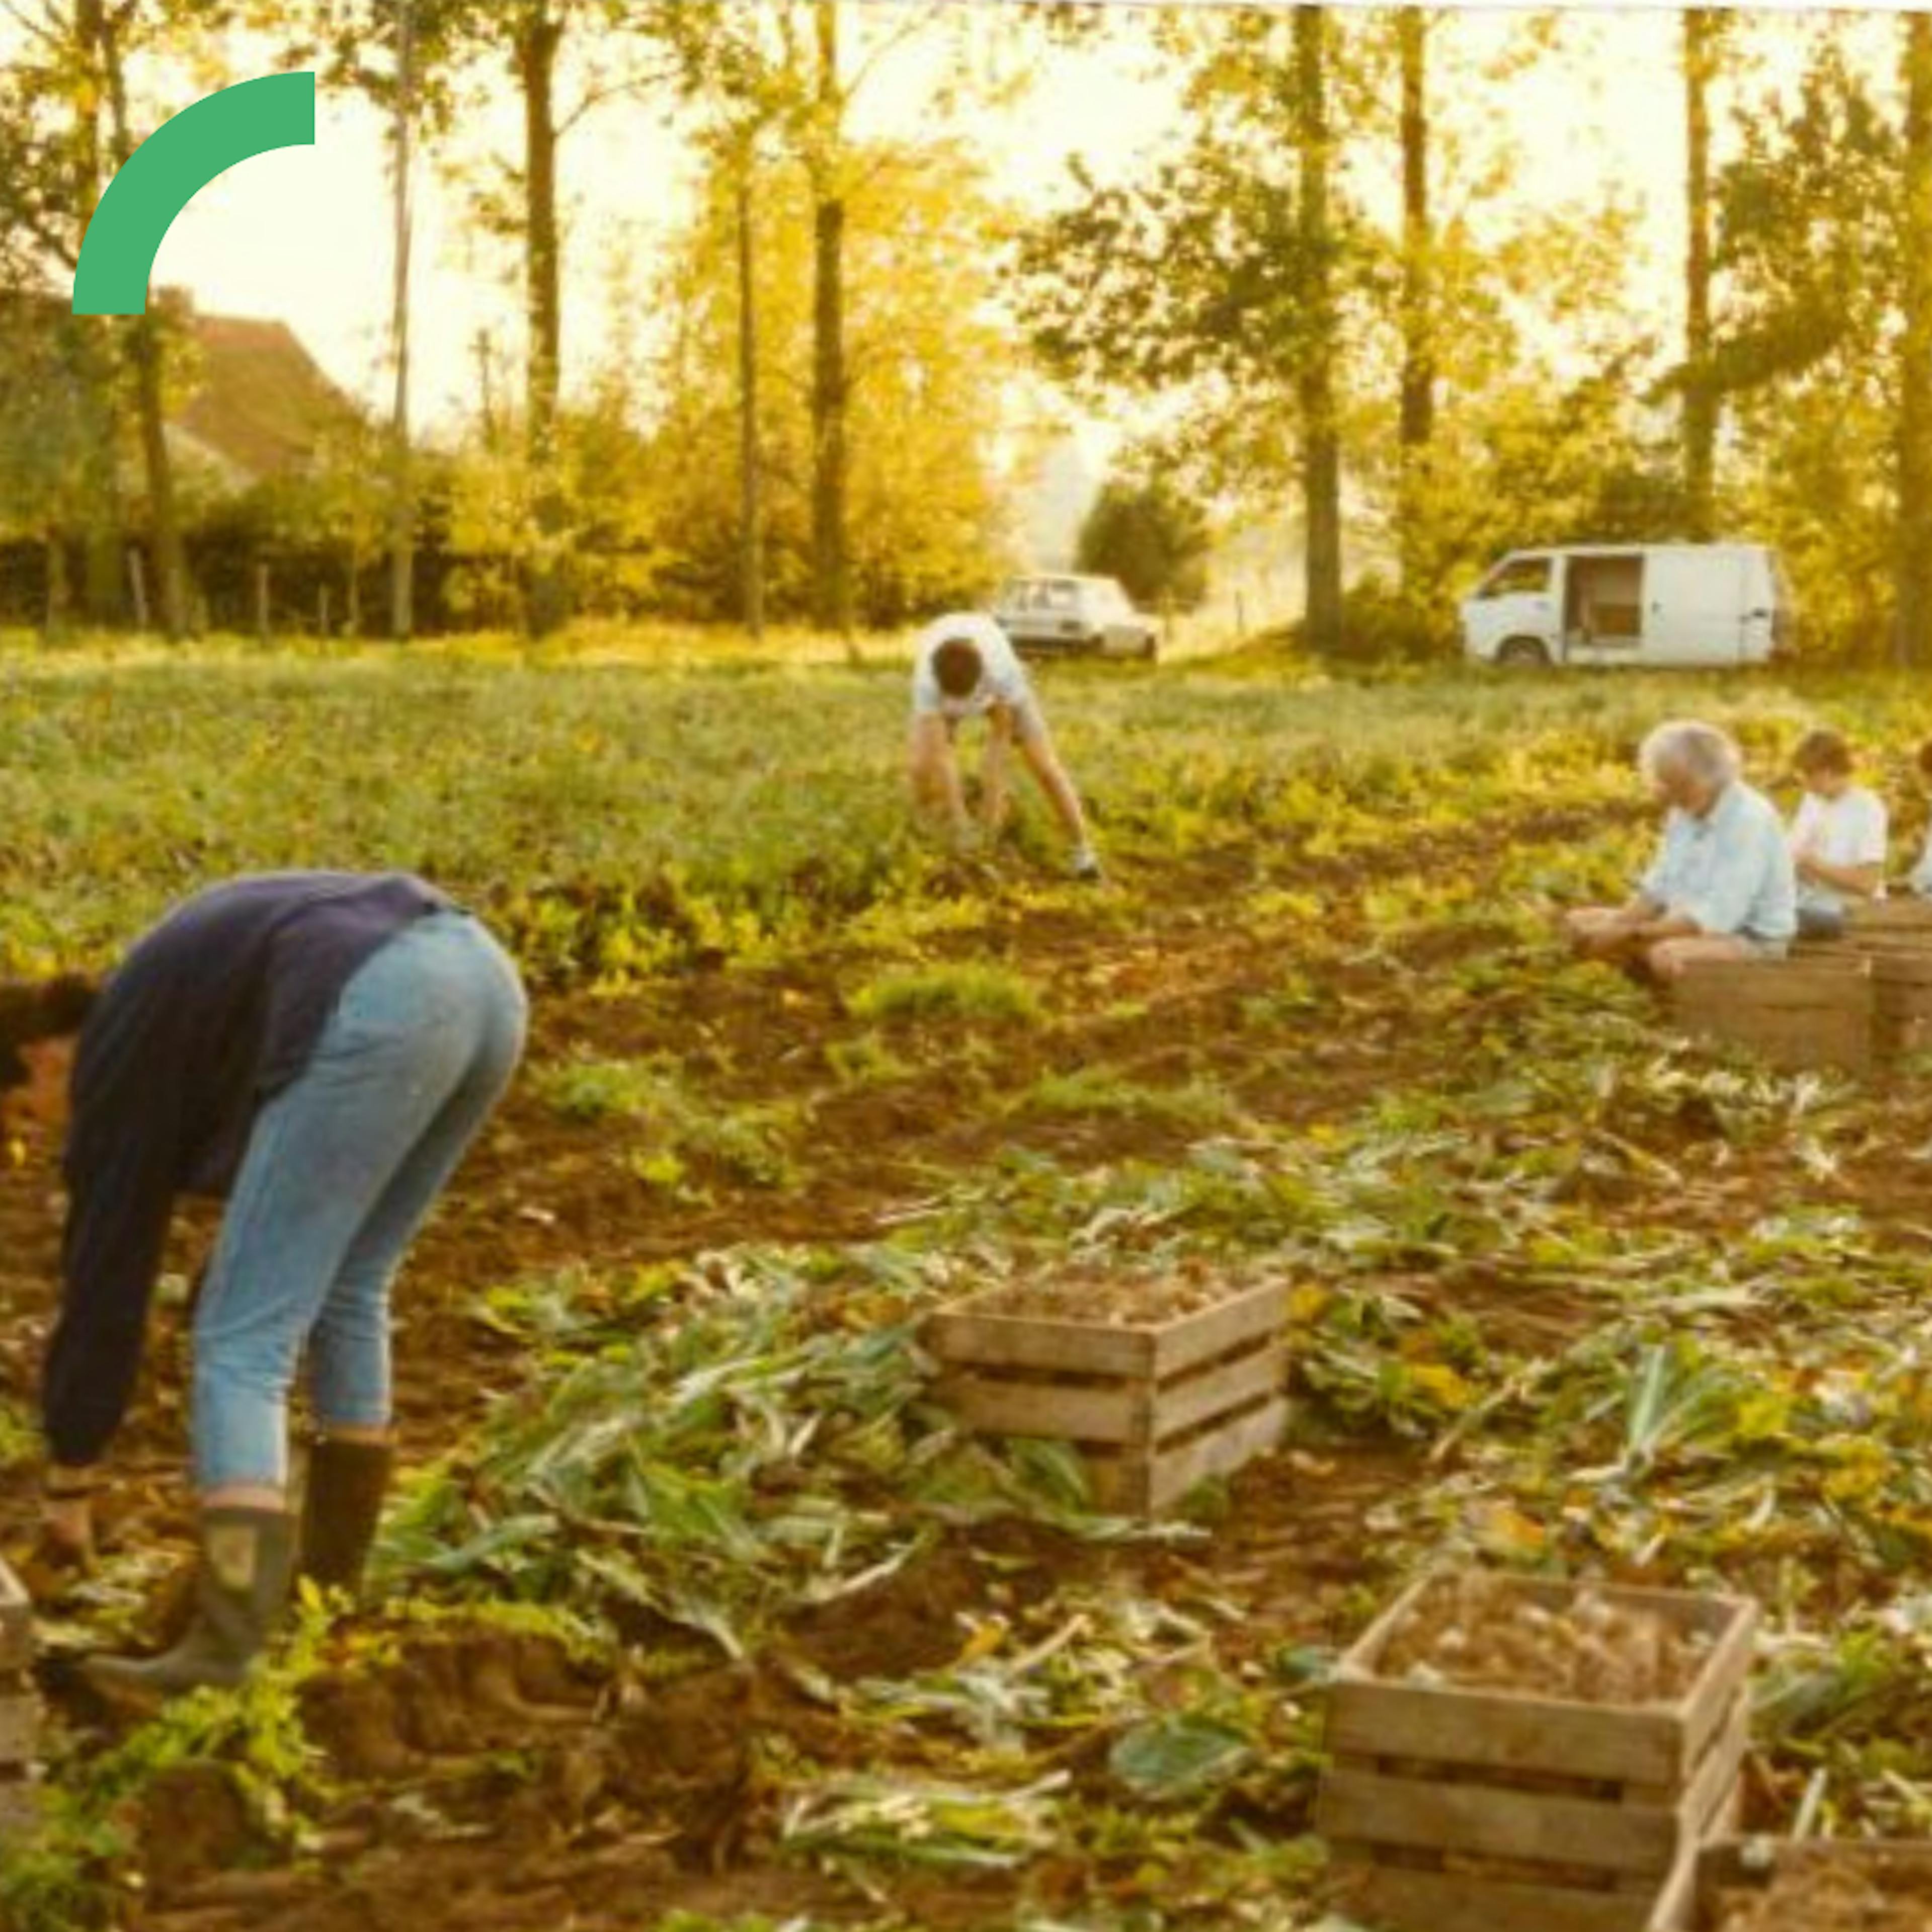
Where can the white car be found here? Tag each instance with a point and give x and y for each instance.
(1074, 616)
(1673, 605)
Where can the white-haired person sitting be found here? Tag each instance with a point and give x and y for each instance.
(1723, 885)
(964, 666)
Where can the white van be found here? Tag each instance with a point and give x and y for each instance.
(1672, 604)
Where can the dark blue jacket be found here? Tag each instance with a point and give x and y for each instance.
(217, 1008)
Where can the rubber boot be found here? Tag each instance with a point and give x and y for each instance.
(341, 1510)
(240, 1585)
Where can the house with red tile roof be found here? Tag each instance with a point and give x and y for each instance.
(254, 405)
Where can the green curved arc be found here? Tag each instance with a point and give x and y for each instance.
(170, 168)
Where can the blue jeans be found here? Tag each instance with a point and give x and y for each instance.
(341, 1170)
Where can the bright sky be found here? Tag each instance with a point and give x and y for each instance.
(304, 234)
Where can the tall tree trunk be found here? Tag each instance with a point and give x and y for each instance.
(144, 350)
(1912, 634)
(1418, 297)
(751, 514)
(539, 34)
(831, 564)
(1702, 26)
(102, 597)
(402, 484)
(1322, 456)
(142, 337)
(59, 591)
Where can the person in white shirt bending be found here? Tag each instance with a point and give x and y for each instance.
(1837, 836)
(964, 666)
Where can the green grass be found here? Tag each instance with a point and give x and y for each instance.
(866, 1061)
(1102, 1093)
(966, 991)
(751, 1143)
(20, 1442)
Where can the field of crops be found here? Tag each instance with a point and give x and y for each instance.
(697, 1610)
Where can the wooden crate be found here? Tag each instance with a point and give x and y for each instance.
(1480, 1810)
(1902, 1005)
(1906, 917)
(1154, 1409)
(1887, 928)
(1732, 1865)
(19, 1709)
(1900, 966)
(1812, 1011)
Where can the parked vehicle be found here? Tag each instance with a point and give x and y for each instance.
(1649, 604)
(1074, 616)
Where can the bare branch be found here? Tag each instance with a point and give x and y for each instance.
(47, 31)
(912, 25)
(634, 86)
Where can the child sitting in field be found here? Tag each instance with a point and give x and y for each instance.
(1837, 836)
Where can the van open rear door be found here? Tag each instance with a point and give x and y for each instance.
(1604, 607)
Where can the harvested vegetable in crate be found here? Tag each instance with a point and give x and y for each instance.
(1474, 1630)
(1821, 1886)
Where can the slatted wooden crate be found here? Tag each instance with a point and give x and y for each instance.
(1484, 1810)
(1910, 917)
(1902, 1005)
(1899, 963)
(1883, 926)
(19, 1710)
(1736, 1869)
(1154, 1409)
(1895, 937)
(1809, 1011)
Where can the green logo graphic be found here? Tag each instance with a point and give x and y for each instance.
(170, 168)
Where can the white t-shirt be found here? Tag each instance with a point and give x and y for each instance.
(1003, 678)
(1847, 830)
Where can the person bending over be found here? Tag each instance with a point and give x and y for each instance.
(963, 667)
(319, 1048)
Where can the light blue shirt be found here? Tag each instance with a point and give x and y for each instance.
(1730, 872)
